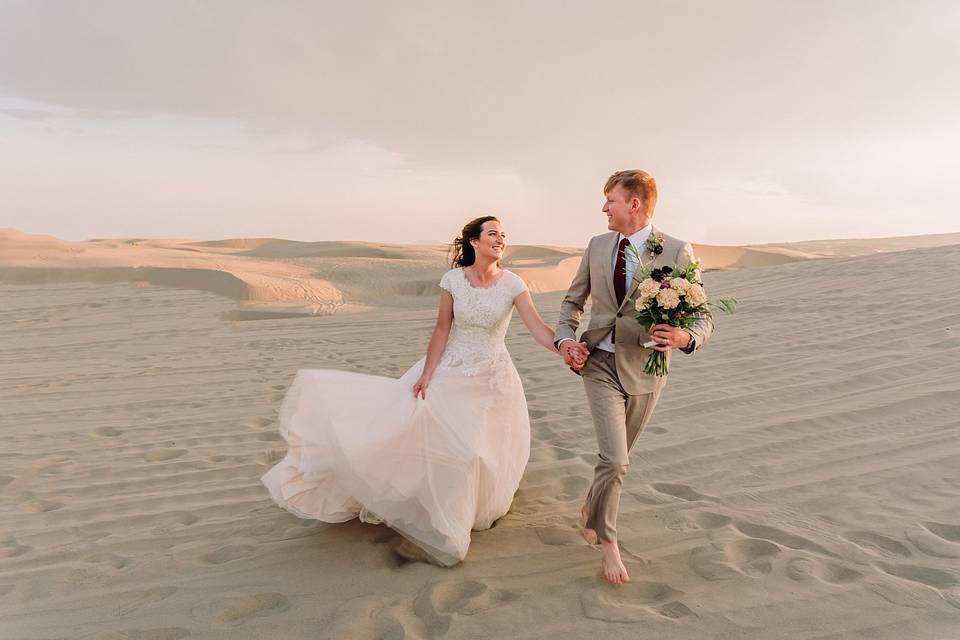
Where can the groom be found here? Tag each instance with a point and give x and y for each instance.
(610, 356)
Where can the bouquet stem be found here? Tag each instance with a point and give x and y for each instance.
(656, 364)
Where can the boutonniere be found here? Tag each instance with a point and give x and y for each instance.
(655, 244)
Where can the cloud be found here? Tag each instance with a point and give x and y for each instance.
(554, 96)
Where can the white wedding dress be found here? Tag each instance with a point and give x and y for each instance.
(432, 469)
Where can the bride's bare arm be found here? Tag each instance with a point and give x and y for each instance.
(438, 342)
(540, 330)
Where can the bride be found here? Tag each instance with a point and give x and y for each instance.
(438, 452)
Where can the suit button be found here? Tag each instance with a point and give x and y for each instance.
(619, 315)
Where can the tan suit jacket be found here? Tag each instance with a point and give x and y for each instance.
(594, 279)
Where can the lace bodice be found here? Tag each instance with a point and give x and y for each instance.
(480, 320)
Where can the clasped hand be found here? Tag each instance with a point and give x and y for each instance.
(575, 354)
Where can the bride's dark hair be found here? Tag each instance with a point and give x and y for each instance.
(461, 251)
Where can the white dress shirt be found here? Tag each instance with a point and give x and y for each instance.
(638, 241)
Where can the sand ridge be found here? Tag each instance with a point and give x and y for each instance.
(273, 277)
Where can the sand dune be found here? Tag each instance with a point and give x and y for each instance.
(270, 275)
(29, 258)
(866, 246)
(799, 479)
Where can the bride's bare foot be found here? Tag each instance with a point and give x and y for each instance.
(411, 552)
(613, 570)
(588, 534)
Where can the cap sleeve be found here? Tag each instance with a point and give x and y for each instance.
(446, 281)
(517, 285)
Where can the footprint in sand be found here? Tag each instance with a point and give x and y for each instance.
(559, 453)
(439, 601)
(133, 601)
(163, 633)
(160, 455)
(656, 430)
(5, 480)
(11, 548)
(269, 436)
(536, 414)
(185, 518)
(636, 601)
(741, 557)
(802, 569)
(573, 487)
(559, 536)
(236, 610)
(932, 544)
(42, 506)
(228, 553)
(948, 532)
(937, 539)
(106, 432)
(372, 617)
(111, 559)
(710, 520)
(174, 521)
(935, 578)
(871, 541)
(752, 557)
(217, 556)
(257, 423)
(681, 491)
(708, 563)
(781, 537)
(699, 521)
(95, 572)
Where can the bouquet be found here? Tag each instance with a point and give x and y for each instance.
(673, 296)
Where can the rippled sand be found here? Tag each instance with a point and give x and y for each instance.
(800, 478)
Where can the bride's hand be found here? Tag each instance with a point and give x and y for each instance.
(420, 388)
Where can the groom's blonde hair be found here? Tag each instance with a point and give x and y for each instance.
(637, 183)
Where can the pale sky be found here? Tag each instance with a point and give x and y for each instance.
(762, 121)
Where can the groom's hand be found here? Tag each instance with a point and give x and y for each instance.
(669, 337)
(574, 354)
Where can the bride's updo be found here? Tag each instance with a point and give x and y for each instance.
(461, 251)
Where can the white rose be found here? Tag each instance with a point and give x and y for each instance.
(668, 299)
(649, 288)
(696, 295)
(679, 284)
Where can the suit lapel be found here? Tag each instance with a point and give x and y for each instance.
(606, 254)
(648, 260)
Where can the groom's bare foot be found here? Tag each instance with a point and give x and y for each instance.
(613, 570)
(588, 534)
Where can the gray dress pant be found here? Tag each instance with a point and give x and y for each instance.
(618, 419)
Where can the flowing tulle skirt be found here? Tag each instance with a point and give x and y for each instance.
(432, 469)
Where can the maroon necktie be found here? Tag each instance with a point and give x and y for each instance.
(620, 272)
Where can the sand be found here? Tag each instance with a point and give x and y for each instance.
(799, 479)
